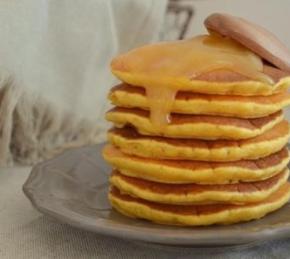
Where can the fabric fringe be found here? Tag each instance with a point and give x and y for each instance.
(31, 129)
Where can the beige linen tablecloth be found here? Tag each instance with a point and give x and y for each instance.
(25, 233)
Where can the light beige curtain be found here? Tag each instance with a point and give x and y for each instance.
(54, 70)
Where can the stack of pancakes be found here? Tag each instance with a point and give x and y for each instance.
(222, 158)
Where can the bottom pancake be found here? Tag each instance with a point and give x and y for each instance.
(197, 215)
(183, 194)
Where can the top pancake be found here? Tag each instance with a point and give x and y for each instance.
(124, 95)
(220, 82)
(211, 64)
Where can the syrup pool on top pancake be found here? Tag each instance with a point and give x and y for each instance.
(163, 69)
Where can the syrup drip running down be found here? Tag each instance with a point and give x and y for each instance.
(158, 63)
(160, 102)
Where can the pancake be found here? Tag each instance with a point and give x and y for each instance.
(194, 126)
(197, 215)
(187, 194)
(124, 95)
(131, 142)
(221, 82)
(200, 172)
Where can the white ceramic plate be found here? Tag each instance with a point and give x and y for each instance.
(73, 188)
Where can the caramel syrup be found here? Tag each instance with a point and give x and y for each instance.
(185, 59)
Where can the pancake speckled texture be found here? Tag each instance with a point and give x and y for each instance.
(201, 172)
(131, 142)
(127, 96)
(197, 215)
(244, 88)
(195, 126)
(196, 143)
(183, 194)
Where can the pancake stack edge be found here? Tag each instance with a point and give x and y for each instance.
(191, 179)
(222, 158)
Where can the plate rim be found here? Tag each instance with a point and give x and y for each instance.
(125, 231)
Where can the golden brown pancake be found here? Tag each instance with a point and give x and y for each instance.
(127, 96)
(131, 142)
(199, 136)
(195, 126)
(186, 194)
(200, 172)
(197, 215)
(133, 69)
(244, 88)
